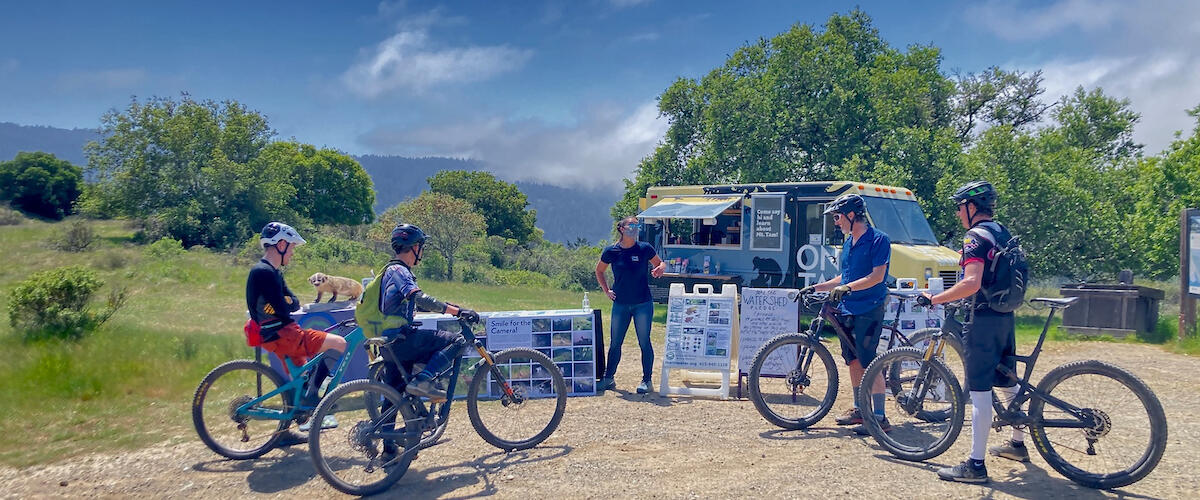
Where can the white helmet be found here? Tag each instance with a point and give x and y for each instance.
(276, 232)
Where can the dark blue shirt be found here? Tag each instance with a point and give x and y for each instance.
(858, 259)
(631, 271)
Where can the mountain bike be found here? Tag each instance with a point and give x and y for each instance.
(1095, 423)
(354, 458)
(793, 381)
(242, 408)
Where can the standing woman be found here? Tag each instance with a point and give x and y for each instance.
(630, 294)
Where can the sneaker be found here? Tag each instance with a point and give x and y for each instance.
(291, 438)
(964, 473)
(390, 452)
(861, 429)
(850, 417)
(426, 389)
(643, 387)
(329, 422)
(1012, 450)
(606, 383)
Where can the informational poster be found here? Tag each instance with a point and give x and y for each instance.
(568, 337)
(1194, 255)
(767, 223)
(913, 317)
(765, 313)
(699, 332)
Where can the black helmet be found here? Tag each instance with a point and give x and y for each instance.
(845, 204)
(980, 192)
(407, 235)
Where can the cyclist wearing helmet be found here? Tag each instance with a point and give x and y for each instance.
(400, 297)
(271, 303)
(989, 336)
(864, 259)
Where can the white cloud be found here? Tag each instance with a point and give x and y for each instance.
(409, 61)
(107, 79)
(1011, 21)
(596, 153)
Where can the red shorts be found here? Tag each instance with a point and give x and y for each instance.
(297, 344)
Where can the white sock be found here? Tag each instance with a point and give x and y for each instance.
(1007, 394)
(981, 422)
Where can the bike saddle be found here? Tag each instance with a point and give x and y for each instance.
(1056, 303)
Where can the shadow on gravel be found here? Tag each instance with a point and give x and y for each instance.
(1033, 482)
(652, 398)
(441, 482)
(270, 474)
(801, 434)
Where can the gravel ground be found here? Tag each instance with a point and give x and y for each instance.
(626, 445)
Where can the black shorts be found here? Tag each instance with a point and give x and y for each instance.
(990, 340)
(864, 329)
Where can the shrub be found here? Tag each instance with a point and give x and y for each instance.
(324, 248)
(165, 248)
(476, 273)
(78, 236)
(433, 266)
(111, 260)
(10, 217)
(520, 277)
(54, 303)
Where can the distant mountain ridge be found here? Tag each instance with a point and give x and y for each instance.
(564, 214)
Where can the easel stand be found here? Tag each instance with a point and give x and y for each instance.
(701, 333)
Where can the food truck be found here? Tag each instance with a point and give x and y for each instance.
(774, 235)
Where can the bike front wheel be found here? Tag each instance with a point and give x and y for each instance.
(793, 381)
(1126, 430)
(518, 401)
(350, 456)
(925, 413)
(231, 432)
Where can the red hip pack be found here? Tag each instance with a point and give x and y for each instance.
(253, 333)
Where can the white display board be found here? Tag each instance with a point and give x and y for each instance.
(912, 316)
(701, 328)
(568, 337)
(765, 313)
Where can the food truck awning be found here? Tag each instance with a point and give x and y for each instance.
(690, 207)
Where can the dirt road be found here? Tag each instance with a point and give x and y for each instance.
(627, 445)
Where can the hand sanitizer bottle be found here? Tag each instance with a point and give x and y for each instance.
(586, 304)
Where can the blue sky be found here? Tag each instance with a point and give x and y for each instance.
(558, 91)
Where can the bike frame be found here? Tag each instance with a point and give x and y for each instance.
(1010, 414)
(299, 377)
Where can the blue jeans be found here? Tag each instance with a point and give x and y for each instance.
(641, 315)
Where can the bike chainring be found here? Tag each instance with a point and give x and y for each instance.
(236, 403)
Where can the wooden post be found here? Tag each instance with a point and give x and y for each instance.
(1187, 303)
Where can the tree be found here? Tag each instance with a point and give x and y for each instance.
(331, 187)
(807, 105)
(450, 223)
(40, 184)
(1164, 186)
(501, 204)
(1099, 123)
(996, 97)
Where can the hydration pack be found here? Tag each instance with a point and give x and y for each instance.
(1009, 272)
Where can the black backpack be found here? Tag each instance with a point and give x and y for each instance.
(1009, 271)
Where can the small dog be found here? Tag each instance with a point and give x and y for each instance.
(335, 285)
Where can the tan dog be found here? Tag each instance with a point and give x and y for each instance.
(335, 285)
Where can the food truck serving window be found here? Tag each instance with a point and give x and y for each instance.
(704, 220)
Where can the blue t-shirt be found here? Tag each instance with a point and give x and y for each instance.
(858, 259)
(631, 271)
(398, 283)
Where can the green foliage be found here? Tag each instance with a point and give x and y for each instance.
(330, 186)
(501, 204)
(801, 105)
(450, 223)
(191, 169)
(521, 277)
(40, 184)
(995, 97)
(55, 304)
(323, 249)
(165, 249)
(78, 236)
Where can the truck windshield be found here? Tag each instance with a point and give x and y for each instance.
(902, 220)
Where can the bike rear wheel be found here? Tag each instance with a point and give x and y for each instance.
(793, 381)
(926, 414)
(349, 456)
(518, 402)
(1128, 433)
(234, 434)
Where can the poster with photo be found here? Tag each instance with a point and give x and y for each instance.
(699, 332)
(1194, 254)
(567, 337)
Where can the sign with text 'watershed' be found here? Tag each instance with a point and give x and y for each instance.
(765, 313)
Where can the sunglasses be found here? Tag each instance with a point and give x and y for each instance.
(837, 217)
